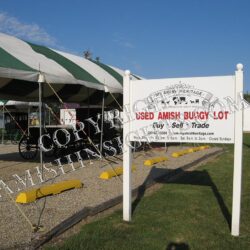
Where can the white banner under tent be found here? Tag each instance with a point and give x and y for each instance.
(17, 103)
(178, 101)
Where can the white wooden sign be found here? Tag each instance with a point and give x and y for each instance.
(184, 110)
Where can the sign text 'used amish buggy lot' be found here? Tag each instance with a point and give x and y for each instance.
(194, 110)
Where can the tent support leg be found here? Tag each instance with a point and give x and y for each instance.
(28, 123)
(3, 129)
(41, 120)
(40, 124)
(101, 140)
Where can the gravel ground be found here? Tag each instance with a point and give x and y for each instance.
(16, 233)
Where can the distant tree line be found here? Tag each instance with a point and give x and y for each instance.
(87, 54)
(247, 96)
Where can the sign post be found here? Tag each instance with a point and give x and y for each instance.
(238, 135)
(127, 206)
(192, 110)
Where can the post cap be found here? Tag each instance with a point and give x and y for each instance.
(127, 72)
(239, 66)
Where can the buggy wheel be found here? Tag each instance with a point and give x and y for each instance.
(27, 150)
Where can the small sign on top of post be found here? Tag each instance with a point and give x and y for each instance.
(196, 110)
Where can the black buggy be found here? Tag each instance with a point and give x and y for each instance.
(66, 141)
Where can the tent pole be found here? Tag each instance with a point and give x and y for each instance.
(3, 126)
(40, 82)
(88, 112)
(103, 100)
(49, 117)
(28, 123)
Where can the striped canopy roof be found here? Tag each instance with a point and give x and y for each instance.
(75, 79)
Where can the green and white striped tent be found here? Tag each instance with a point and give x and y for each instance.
(75, 79)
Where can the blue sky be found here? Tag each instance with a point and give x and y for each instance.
(152, 38)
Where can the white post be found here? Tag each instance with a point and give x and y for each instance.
(238, 139)
(127, 206)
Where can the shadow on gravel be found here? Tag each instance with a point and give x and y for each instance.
(15, 157)
(200, 178)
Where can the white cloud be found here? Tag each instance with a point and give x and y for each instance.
(30, 32)
(137, 66)
(123, 42)
(127, 45)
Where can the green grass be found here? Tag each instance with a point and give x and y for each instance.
(192, 213)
